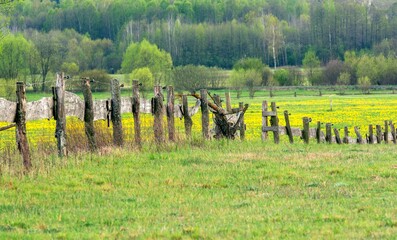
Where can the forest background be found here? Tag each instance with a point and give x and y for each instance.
(193, 43)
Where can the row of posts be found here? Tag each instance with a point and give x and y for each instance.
(378, 136)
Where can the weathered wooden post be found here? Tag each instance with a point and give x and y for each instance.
(328, 133)
(136, 105)
(288, 127)
(217, 100)
(264, 120)
(60, 115)
(379, 135)
(118, 138)
(242, 123)
(274, 122)
(386, 135)
(346, 137)
(358, 134)
(170, 113)
(306, 129)
(157, 111)
(318, 132)
(228, 102)
(205, 122)
(20, 120)
(337, 136)
(89, 115)
(186, 117)
(393, 132)
(371, 139)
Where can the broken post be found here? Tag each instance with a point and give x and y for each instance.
(205, 122)
(228, 102)
(264, 120)
(393, 132)
(170, 113)
(157, 111)
(89, 115)
(337, 136)
(136, 105)
(20, 121)
(358, 134)
(186, 117)
(379, 135)
(288, 127)
(371, 139)
(386, 135)
(274, 123)
(60, 115)
(318, 132)
(118, 138)
(346, 137)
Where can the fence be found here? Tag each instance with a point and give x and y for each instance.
(65, 104)
(386, 134)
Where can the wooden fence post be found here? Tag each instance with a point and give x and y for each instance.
(242, 123)
(318, 132)
(186, 117)
(228, 102)
(157, 111)
(60, 115)
(328, 133)
(89, 115)
(371, 139)
(205, 122)
(274, 122)
(306, 129)
(386, 135)
(118, 138)
(288, 127)
(379, 135)
(136, 105)
(264, 120)
(393, 132)
(170, 113)
(20, 120)
(337, 136)
(358, 134)
(218, 100)
(346, 137)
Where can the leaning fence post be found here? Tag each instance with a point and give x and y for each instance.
(205, 122)
(136, 105)
(186, 117)
(118, 138)
(318, 132)
(386, 136)
(20, 120)
(242, 123)
(346, 137)
(170, 113)
(264, 120)
(157, 111)
(60, 115)
(288, 127)
(328, 133)
(306, 129)
(337, 136)
(358, 134)
(89, 114)
(393, 132)
(379, 134)
(371, 139)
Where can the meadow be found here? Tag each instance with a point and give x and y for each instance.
(197, 189)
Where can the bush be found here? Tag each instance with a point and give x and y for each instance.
(101, 80)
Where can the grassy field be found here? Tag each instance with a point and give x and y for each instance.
(212, 190)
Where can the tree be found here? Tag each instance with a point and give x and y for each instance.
(144, 76)
(310, 62)
(13, 52)
(145, 54)
(343, 81)
(364, 83)
(249, 78)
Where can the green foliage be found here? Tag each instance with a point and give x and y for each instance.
(101, 80)
(282, 76)
(144, 76)
(145, 54)
(70, 68)
(249, 78)
(249, 63)
(191, 77)
(310, 62)
(13, 52)
(364, 83)
(343, 80)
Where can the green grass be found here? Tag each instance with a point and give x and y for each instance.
(213, 190)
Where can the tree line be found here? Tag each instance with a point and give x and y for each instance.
(76, 36)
